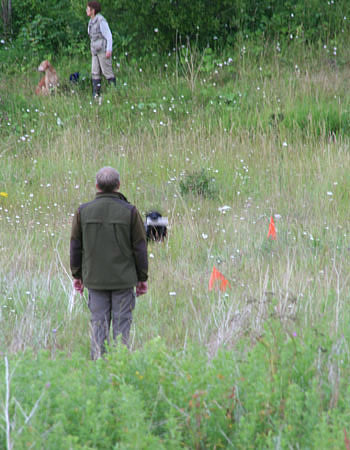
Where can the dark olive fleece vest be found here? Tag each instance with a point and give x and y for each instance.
(107, 258)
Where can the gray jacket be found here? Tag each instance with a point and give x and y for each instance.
(98, 30)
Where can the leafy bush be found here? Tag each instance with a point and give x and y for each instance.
(198, 183)
(46, 26)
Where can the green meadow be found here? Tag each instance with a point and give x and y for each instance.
(218, 143)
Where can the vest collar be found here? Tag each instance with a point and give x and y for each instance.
(118, 195)
(95, 19)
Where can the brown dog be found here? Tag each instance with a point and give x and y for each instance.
(49, 81)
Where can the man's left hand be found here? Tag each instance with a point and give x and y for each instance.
(108, 55)
(141, 288)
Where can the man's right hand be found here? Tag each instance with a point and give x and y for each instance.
(141, 288)
(78, 285)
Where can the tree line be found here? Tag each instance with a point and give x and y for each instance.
(144, 26)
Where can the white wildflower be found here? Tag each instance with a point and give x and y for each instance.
(224, 208)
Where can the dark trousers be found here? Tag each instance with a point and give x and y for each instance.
(108, 307)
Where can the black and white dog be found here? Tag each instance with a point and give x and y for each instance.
(156, 226)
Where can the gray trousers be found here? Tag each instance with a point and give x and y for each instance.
(101, 64)
(106, 307)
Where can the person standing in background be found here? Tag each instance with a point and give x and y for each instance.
(101, 48)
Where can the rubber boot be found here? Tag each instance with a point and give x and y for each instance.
(112, 81)
(96, 88)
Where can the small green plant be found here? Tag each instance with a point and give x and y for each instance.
(198, 183)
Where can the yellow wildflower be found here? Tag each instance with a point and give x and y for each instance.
(4, 194)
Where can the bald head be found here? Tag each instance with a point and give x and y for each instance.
(107, 179)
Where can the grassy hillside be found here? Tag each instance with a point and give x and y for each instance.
(263, 365)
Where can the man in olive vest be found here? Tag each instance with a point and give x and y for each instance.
(101, 47)
(108, 255)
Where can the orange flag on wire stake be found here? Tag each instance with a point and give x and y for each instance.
(216, 275)
(272, 229)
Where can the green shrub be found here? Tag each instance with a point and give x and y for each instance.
(198, 183)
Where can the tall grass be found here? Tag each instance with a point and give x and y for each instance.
(278, 156)
(272, 138)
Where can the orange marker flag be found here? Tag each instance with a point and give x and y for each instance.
(216, 275)
(272, 229)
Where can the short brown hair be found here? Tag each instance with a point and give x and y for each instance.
(95, 6)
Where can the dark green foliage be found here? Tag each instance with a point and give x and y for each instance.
(42, 27)
(141, 27)
(162, 25)
(198, 183)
